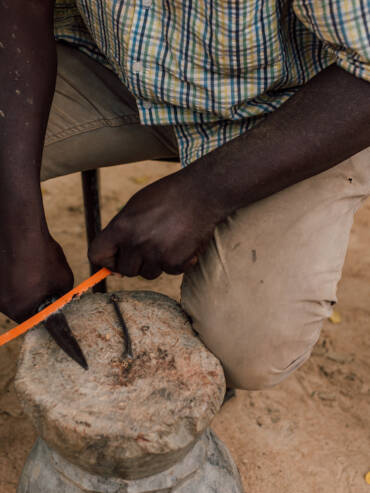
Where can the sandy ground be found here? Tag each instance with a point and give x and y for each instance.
(309, 435)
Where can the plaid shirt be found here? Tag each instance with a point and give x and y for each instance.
(215, 68)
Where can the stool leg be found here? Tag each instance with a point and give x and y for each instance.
(90, 188)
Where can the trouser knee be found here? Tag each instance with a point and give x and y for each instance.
(257, 346)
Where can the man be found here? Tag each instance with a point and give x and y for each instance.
(267, 103)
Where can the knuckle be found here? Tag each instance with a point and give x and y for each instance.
(150, 276)
(126, 270)
(173, 264)
(98, 252)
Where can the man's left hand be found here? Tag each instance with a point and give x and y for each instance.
(163, 227)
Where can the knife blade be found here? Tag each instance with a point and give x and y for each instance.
(58, 327)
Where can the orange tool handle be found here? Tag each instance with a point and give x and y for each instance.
(57, 305)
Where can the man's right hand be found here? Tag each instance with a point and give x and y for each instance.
(31, 271)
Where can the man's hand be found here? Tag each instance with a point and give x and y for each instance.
(31, 271)
(162, 228)
(32, 265)
(164, 225)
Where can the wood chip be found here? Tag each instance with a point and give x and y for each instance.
(335, 318)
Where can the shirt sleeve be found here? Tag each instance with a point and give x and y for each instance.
(344, 28)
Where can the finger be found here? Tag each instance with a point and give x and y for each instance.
(102, 253)
(190, 263)
(128, 262)
(176, 269)
(173, 270)
(150, 271)
(151, 266)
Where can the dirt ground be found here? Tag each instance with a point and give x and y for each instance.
(311, 434)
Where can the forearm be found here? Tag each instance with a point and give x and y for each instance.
(325, 123)
(28, 68)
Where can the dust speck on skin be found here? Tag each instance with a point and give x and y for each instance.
(17, 91)
(2, 114)
(29, 100)
(1, 45)
(19, 50)
(13, 35)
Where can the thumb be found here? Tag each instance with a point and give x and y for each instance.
(102, 251)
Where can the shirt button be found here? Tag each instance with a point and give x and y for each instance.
(147, 3)
(137, 66)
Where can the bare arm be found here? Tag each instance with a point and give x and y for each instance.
(32, 265)
(164, 224)
(326, 122)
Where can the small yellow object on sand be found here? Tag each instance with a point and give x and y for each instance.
(367, 477)
(335, 318)
(140, 180)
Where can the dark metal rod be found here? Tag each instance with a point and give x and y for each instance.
(90, 188)
(128, 346)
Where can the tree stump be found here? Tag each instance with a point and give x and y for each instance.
(126, 425)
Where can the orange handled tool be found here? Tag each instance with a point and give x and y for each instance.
(53, 307)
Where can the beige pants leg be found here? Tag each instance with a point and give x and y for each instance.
(94, 121)
(259, 295)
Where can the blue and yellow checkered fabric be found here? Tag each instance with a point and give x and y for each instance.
(215, 68)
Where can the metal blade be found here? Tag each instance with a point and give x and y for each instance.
(58, 328)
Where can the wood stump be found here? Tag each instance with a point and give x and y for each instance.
(125, 425)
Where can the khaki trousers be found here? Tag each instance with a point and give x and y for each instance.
(260, 293)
